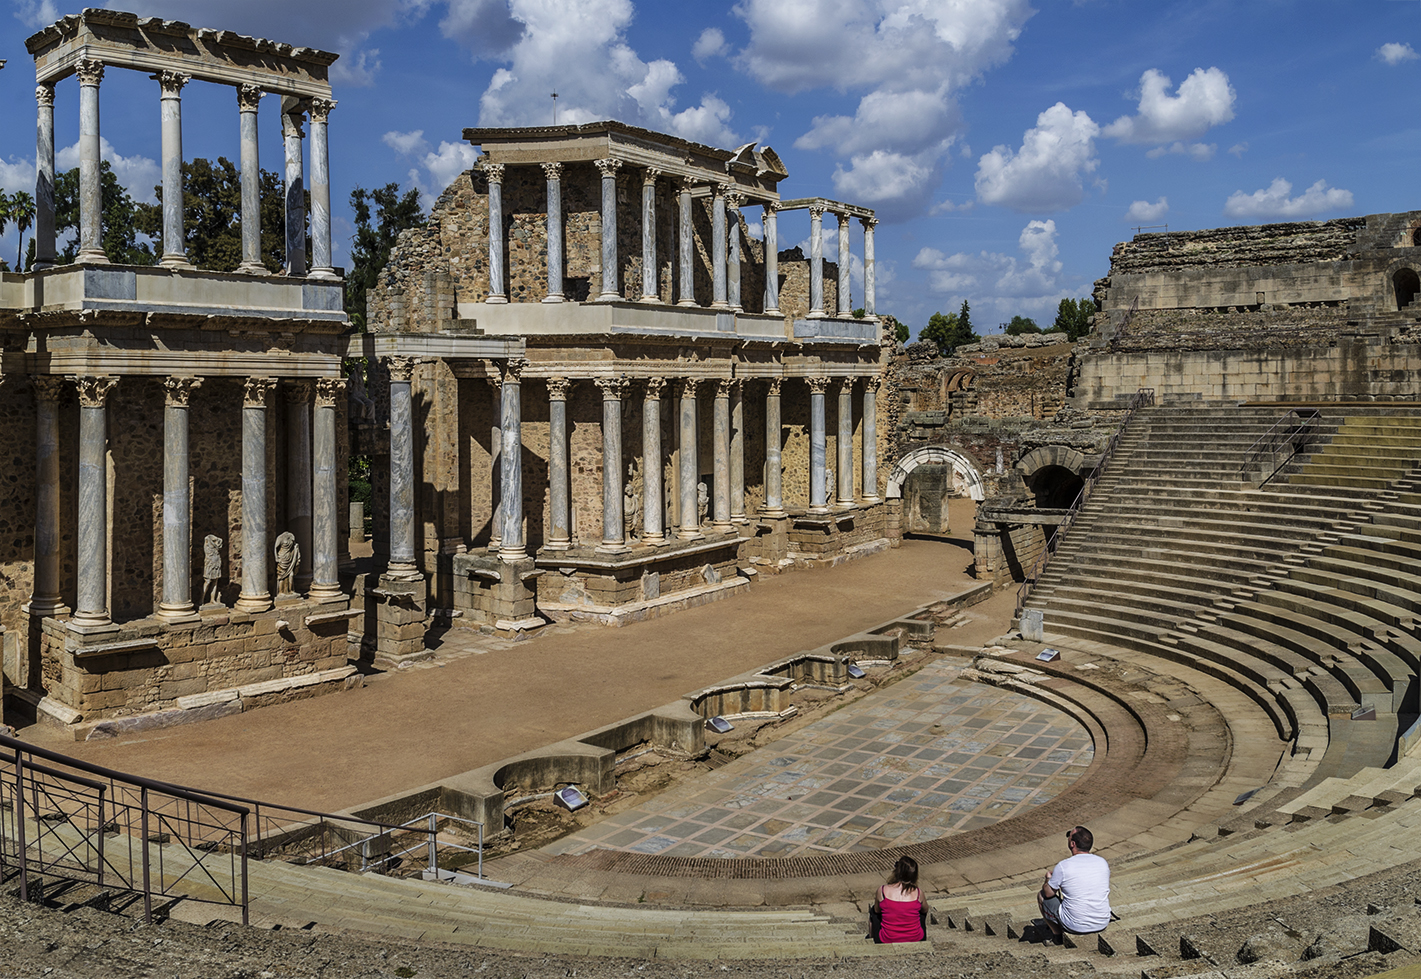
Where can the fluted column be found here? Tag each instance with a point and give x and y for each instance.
(774, 471)
(720, 446)
(325, 557)
(92, 603)
(248, 99)
(299, 494)
(816, 261)
(686, 240)
(737, 452)
(718, 256)
(512, 545)
(690, 464)
(845, 444)
(174, 244)
(402, 566)
(256, 589)
(559, 495)
(846, 293)
(650, 286)
(495, 462)
(176, 605)
(292, 134)
(614, 537)
(91, 205)
(44, 599)
(321, 267)
(494, 173)
(772, 257)
(44, 176)
(652, 509)
(608, 169)
(868, 270)
(553, 173)
(818, 493)
(732, 269)
(870, 437)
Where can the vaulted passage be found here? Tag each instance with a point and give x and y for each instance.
(1408, 284)
(1055, 487)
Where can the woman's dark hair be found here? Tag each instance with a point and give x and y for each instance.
(905, 872)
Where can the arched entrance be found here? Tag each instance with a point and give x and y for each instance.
(926, 480)
(1054, 487)
(965, 476)
(1407, 284)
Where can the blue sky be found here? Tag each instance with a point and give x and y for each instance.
(1006, 145)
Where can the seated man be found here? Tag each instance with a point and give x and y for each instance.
(1076, 895)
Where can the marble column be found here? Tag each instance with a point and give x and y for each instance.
(176, 605)
(652, 506)
(816, 261)
(650, 286)
(846, 293)
(732, 269)
(91, 206)
(614, 534)
(44, 176)
(174, 243)
(608, 169)
(737, 452)
(559, 469)
(402, 566)
(256, 591)
(248, 99)
(868, 271)
(92, 603)
(325, 556)
(512, 544)
(321, 267)
(45, 599)
(299, 494)
(690, 464)
(718, 256)
(686, 239)
(774, 471)
(870, 438)
(772, 257)
(495, 442)
(845, 444)
(291, 135)
(553, 172)
(496, 292)
(818, 493)
(720, 446)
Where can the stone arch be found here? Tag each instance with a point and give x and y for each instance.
(960, 380)
(1052, 455)
(1055, 475)
(963, 468)
(1407, 284)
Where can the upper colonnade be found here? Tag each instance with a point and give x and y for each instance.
(175, 53)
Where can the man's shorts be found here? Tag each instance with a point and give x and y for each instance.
(1051, 908)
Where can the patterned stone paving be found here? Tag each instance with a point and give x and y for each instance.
(929, 756)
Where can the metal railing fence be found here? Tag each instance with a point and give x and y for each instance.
(1290, 435)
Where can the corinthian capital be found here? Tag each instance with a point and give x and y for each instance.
(493, 172)
(321, 109)
(558, 388)
(654, 387)
(401, 368)
(89, 70)
(553, 171)
(44, 95)
(47, 387)
(612, 387)
(817, 384)
(178, 390)
(607, 168)
(256, 391)
(817, 209)
(94, 391)
(329, 391)
(172, 82)
(249, 97)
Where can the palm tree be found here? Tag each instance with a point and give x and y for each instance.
(22, 212)
(5, 204)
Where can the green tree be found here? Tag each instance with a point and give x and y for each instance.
(1020, 325)
(1073, 317)
(22, 211)
(370, 250)
(119, 214)
(964, 322)
(948, 332)
(212, 216)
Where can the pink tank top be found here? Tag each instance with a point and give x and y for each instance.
(902, 920)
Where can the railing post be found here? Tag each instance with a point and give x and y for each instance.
(245, 899)
(143, 829)
(20, 824)
(434, 845)
(100, 847)
(481, 851)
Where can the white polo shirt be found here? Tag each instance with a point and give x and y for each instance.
(1083, 882)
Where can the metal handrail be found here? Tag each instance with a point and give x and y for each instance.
(1143, 398)
(1301, 429)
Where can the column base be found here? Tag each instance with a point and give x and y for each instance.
(554, 299)
(867, 500)
(608, 297)
(175, 262)
(327, 592)
(557, 545)
(649, 299)
(738, 518)
(688, 302)
(690, 535)
(513, 553)
(252, 603)
(496, 300)
(91, 626)
(251, 268)
(43, 607)
(402, 572)
(42, 263)
(175, 614)
(821, 508)
(612, 547)
(772, 311)
(654, 540)
(814, 314)
(773, 511)
(91, 256)
(722, 526)
(325, 273)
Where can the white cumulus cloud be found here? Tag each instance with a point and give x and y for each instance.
(1395, 54)
(711, 44)
(1145, 211)
(404, 143)
(998, 285)
(438, 168)
(138, 174)
(1274, 202)
(1205, 99)
(1046, 173)
(1195, 151)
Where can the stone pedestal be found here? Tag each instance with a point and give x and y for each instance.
(401, 607)
(357, 522)
(497, 593)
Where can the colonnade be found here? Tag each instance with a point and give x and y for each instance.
(174, 250)
(726, 248)
(728, 448)
(311, 481)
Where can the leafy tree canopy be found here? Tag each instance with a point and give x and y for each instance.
(393, 212)
(212, 216)
(949, 332)
(1020, 325)
(1073, 317)
(119, 211)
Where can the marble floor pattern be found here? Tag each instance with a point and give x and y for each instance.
(931, 755)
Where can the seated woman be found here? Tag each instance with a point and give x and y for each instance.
(898, 913)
